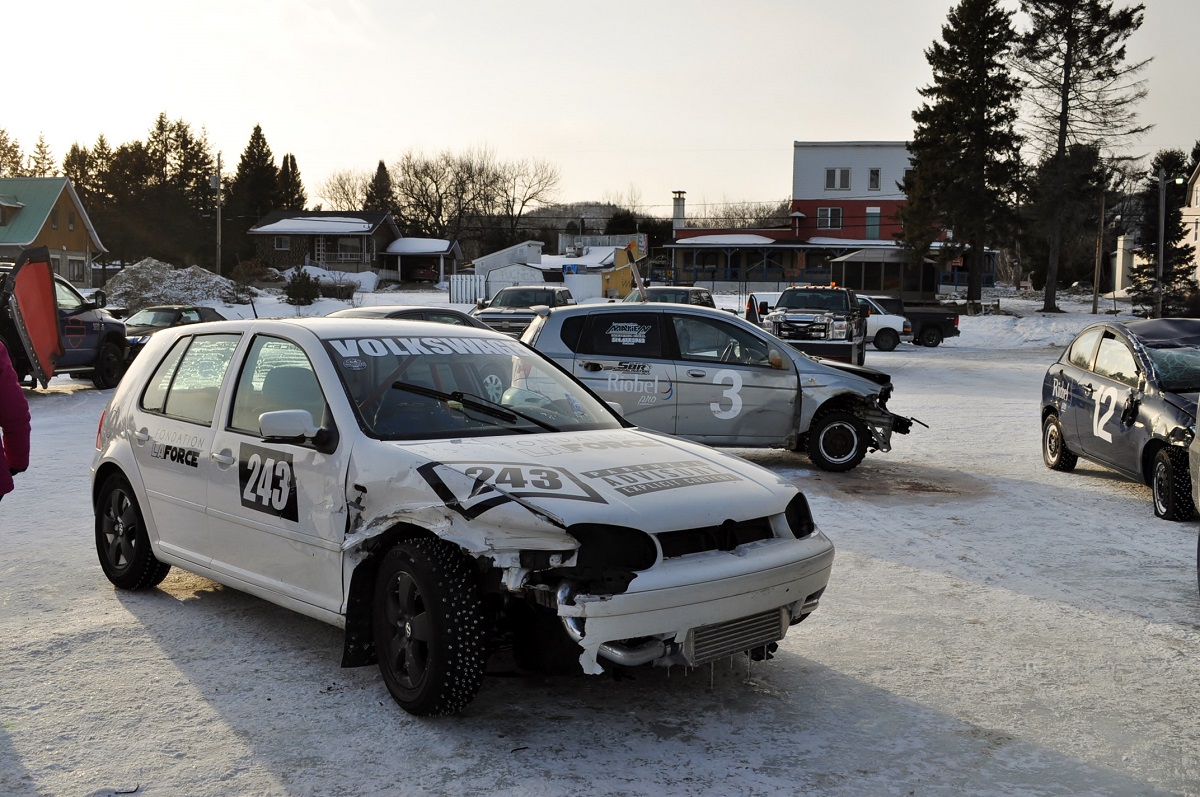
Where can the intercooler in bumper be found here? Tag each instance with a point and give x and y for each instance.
(700, 608)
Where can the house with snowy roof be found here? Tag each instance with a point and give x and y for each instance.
(46, 211)
(841, 228)
(336, 240)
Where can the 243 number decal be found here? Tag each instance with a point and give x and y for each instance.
(517, 478)
(267, 481)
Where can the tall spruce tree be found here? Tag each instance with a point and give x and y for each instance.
(12, 162)
(380, 193)
(1178, 270)
(964, 148)
(291, 189)
(41, 161)
(253, 193)
(1080, 87)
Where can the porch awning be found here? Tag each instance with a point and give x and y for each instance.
(890, 254)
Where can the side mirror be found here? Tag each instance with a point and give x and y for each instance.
(616, 407)
(775, 359)
(763, 308)
(481, 303)
(287, 425)
(100, 299)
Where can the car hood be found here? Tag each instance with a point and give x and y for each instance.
(615, 477)
(141, 329)
(1184, 401)
(30, 297)
(861, 371)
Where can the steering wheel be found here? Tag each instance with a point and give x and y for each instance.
(732, 352)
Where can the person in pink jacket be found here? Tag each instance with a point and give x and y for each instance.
(14, 425)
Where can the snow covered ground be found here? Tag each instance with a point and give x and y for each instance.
(991, 628)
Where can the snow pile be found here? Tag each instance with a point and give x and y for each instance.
(365, 280)
(149, 282)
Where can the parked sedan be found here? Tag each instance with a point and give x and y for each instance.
(353, 470)
(147, 321)
(1123, 395)
(440, 315)
(712, 377)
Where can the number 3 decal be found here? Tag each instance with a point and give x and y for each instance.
(1104, 395)
(733, 393)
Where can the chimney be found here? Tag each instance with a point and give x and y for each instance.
(678, 222)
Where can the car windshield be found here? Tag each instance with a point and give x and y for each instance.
(151, 317)
(524, 297)
(407, 388)
(1177, 368)
(812, 300)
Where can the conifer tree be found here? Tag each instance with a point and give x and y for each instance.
(253, 193)
(291, 189)
(1178, 270)
(11, 160)
(380, 194)
(1080, 87)
(964, 148)
(41, 162)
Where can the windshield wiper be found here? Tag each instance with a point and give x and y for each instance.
(471, 401)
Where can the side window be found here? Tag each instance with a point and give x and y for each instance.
(190, 316)
(186, 383)
(445, 318)
(66, 298)
(1115, 361)
(623, 335)
(276, 376)
(709, 340)
(1081, 351)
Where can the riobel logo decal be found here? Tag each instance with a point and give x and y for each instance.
(187, 456)
(632, 480)
(649, 389)
(267, 481)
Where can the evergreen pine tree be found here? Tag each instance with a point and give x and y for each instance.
(964, 147)
(11, 159)
(1178, 270)
(1080, 87)
(253, 193)
(380, 194)
(41, 162)
(291, 189)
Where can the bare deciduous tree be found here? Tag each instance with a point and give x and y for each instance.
(344, 190)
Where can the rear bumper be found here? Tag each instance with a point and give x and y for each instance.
(672, 601)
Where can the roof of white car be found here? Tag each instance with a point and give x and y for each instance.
(326, 328)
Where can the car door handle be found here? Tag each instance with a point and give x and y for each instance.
(591, 366)
(696, 373)
(141, 435)
(1087, 390)
(223, 458)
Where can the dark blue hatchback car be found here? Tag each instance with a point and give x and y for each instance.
(1123, 395)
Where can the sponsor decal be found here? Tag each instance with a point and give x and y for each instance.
(267, 481)
(74, 331)
(1061, 390)
(186, 456)
(629, 368)
(577, 444)
(649, 389)
(178, 438)
(496, 483)
(628, 333)
(354, 364)
(354, 348)
(631, 480)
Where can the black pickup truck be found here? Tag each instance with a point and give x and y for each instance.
(931, 324)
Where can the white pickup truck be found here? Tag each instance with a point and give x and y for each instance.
(885, 331)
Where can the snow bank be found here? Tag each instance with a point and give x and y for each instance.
(150, 282)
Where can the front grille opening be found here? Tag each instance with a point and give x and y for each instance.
(725, 537)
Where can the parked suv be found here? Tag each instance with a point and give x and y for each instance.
(824, 321)
(677, 294)
(91, 339)
(511, 309)
(713, 377)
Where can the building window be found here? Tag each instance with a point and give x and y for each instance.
(829, 218)
(350, 249)
(75, 270)
(908, 176)
(873, 179)
(282, 243)
(873, 218)
(54, 219)
(3, 215)
(837, 179)
(70, 220)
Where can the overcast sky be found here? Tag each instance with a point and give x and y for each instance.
(627, 99)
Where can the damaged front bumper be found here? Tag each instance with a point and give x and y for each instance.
(701, 607)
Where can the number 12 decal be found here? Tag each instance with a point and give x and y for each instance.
(1105, 395)
(267, 480)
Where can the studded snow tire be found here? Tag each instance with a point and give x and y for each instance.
(1171, 485)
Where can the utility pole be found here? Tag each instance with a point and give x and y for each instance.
(1158, 265)
(216, 184)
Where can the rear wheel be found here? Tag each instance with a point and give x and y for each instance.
(886, 340)
(837, 441)
(931, 336)
(1171, 485)
(1054, 446)
(110, 367)
(429, 627)
(121, 540)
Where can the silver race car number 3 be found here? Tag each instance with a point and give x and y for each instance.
(267, 481)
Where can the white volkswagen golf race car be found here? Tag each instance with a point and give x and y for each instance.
(355, 470)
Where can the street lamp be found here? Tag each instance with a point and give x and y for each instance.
(1162, 213)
